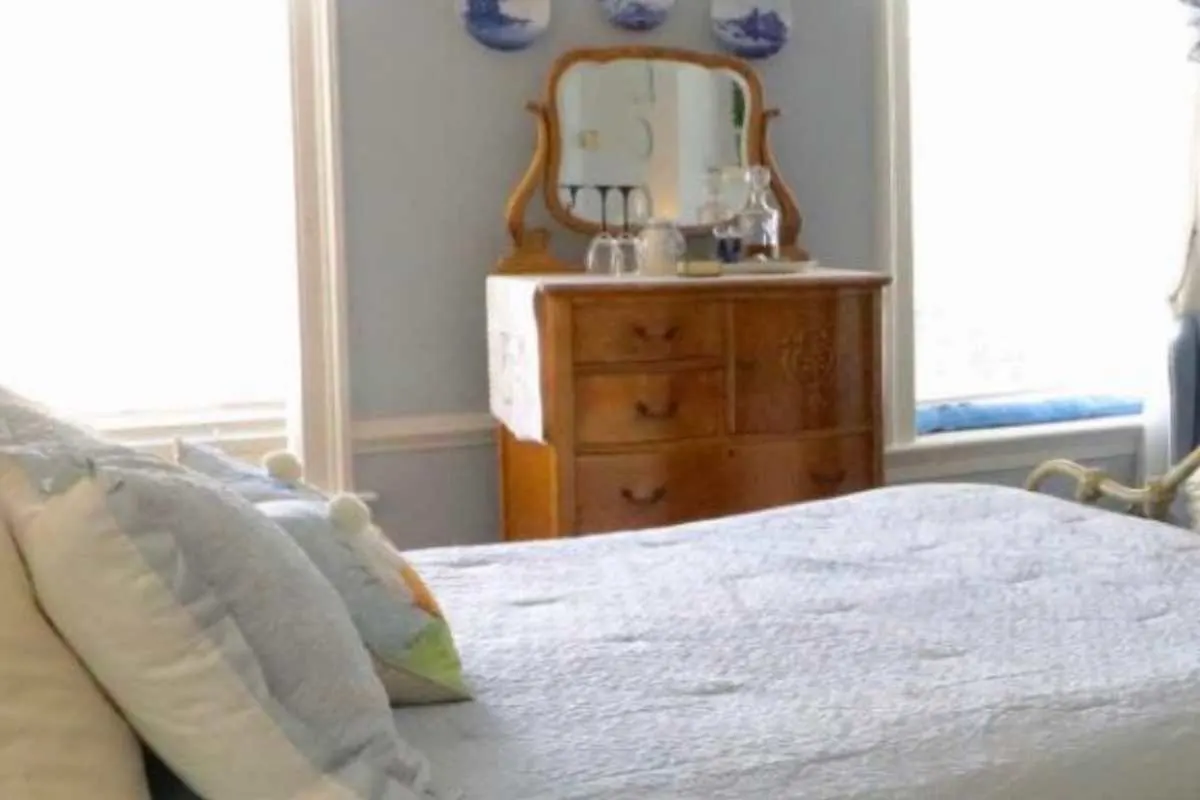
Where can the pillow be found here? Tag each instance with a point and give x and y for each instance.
(60, 739)
(395, 613)
(279, 479)
(214, 634)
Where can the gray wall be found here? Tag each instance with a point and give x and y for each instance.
(1122, 468)
(435, 135)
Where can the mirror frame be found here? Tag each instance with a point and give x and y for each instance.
(531, 246)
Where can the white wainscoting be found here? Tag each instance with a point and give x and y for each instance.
(435, 478)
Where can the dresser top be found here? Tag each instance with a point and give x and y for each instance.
(583, 282)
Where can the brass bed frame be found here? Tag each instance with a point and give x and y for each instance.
(1153, 500)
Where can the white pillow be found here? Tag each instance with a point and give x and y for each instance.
(60, 739)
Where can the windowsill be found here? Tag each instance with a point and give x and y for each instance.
(966, 453)
(248, 433)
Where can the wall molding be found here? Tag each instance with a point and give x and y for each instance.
(966, 454)
(927, 459)
(424, 433)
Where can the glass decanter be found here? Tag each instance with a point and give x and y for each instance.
(758, 221)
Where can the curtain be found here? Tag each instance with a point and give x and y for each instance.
(1194, 12)
(1173, 424)
(1184, 420)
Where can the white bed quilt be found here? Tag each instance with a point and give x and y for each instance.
(924, 642)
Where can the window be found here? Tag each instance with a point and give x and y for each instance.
(1049, 204)
(149, 260)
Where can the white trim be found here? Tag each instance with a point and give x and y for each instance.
(971, 453)
(321, 434)
(423, 433)
(247, 433)
(894, 219)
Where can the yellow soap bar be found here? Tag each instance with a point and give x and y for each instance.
(701, 269)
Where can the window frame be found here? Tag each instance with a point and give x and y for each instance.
(911, 457)
(315, 422)
(320, 425)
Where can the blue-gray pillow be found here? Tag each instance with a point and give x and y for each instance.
(254, 483)
(396, 614)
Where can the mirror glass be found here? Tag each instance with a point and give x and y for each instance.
(648, 137)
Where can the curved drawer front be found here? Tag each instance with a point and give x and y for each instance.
(647, 331)
(666, 487)
(636, 408)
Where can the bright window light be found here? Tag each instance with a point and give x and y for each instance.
(1050, 192)
(147, 232)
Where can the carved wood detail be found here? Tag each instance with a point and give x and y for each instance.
(791, 222)
(531, 246)
(808, 356)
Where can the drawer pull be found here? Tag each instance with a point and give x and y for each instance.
(668, 335)
(828, 477)
(645, 500)
(646, 412)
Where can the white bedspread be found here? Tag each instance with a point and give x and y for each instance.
(936, 642)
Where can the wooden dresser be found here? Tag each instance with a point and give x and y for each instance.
(680, 399)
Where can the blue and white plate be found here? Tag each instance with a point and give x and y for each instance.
(505, 24)
(752, 28)
(637, 15)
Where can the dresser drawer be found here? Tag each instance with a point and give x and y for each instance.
(665, 487)
(648, 407)
(647, 331)
(778, 474)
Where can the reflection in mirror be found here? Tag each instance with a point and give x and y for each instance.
(642, 138)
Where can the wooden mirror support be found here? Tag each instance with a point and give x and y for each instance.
(531, 246)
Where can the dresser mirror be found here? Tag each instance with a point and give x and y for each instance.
(627, 134)
(639, 137)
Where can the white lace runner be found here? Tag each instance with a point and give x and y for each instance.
(514, 358)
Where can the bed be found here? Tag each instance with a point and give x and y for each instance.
(944, 641)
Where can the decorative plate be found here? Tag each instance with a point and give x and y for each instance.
(637, 15)
(505, 24)
(752, 28)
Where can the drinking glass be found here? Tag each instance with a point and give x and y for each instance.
(604, 256)
(632, 254)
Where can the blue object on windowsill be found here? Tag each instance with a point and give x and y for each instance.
(987, 414)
